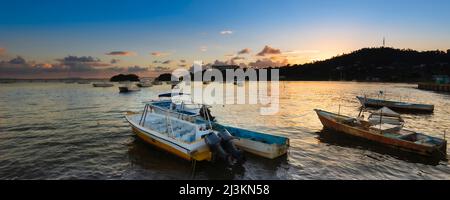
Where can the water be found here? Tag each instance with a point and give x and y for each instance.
(75, 131)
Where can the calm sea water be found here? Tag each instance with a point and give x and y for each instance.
(75, 131)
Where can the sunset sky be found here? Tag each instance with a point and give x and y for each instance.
(53, 39)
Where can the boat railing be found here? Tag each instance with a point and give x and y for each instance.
(175, 114)
(168, 121)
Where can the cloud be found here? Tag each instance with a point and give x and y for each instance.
(156, 61)
(262, 63)
(19, 65)
(73, 66)
(242, 65)
(244, 51)
(167, 62)
(76, 59)
(17, 61)
(236, 58)
(203, 48)
(82, 63)
(226, 32)
(160, 69)
(114, 61)
(269, 51)
(121, 53)
(182, 61)
(159, 54)
(2, 51)
(136, 69)
(182, 65)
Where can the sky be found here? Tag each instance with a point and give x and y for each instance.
(65, 38)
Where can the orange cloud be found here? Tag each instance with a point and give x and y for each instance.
(2, 50)
(269, 51)
(244, 51)
(46, 65)
(159, 54)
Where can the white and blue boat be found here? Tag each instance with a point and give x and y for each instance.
(258, 143)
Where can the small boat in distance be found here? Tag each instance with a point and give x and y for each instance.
(155, 82)
(69, 81)
(144, 84)
(385, 134)
(128, 88)
(238, 83)
(102, 84)
(395, 105)
(83, 82)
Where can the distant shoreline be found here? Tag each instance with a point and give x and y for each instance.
(107, 79)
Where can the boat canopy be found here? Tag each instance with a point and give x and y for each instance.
(169, 94)
(386, 112)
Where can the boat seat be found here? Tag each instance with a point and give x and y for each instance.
(189, 137)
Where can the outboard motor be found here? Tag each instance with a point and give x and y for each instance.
(214, 143)
(228, 146)
(222, 146)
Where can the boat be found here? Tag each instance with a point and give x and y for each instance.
(144, 84)
(84, 82)
(69, 81)
(185, 139)
(128, 88)
(385, 134)
(155, 82)
(181, 106)
(262, 144)
(102, 84)
(7, 81)
(395, 105)
(238, 83)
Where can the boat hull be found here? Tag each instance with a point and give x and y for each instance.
(143, 85)
(261, 149)
(102, 85)
(398, 106)
(403, 145)
(260, 144)
(127, 89)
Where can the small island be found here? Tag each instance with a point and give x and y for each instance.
(125, 77)
(165, 77)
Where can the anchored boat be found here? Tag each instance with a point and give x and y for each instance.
(128, 87)
(395, 105)
(261, 144)
(181, 106)
(103, 84)
(385, 134)
(144, 84)
(188, 140)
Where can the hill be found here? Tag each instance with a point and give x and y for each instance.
(122, 77)
(374, 64)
